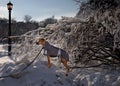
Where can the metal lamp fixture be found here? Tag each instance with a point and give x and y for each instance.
(9, 6)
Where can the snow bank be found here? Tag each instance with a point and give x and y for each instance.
(98, 77)
(40, 75)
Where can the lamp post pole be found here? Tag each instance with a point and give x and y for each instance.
(9, 5)
(9, 34)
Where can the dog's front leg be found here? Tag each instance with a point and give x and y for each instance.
(49, 62)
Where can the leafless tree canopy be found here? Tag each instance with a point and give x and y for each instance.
(27, 18)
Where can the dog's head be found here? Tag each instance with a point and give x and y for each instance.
(41, 41)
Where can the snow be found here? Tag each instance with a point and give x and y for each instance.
(3, 51)
(1, 48)
(92, 77)
(38, 74)
(5, 60)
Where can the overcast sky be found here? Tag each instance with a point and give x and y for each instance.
(39, 9)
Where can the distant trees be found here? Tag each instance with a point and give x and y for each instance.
(27, 18)
(21, 27)
(3, 20)
(47, 21)
(13, 20)
(17, 28)
(3, 27)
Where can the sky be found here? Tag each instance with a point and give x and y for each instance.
(39, 9)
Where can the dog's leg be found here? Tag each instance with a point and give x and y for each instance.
(49, 62)
(64, 61)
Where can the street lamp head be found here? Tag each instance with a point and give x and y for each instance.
(9, 6)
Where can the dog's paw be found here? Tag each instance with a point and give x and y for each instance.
(49, 65)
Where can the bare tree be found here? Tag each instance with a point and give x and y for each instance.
(27, 18)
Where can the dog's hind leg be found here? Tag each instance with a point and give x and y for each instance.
(64, 61)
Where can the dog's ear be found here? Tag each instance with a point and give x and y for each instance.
(42, 39)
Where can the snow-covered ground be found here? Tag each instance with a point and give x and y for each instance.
(3, 51)
(38, 74)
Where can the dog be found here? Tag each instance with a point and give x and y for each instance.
(52, 51)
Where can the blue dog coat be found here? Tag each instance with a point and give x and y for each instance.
(52, 51)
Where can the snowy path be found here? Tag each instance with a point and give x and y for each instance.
(38, 74)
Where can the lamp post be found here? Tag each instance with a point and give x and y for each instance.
(9, 6)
